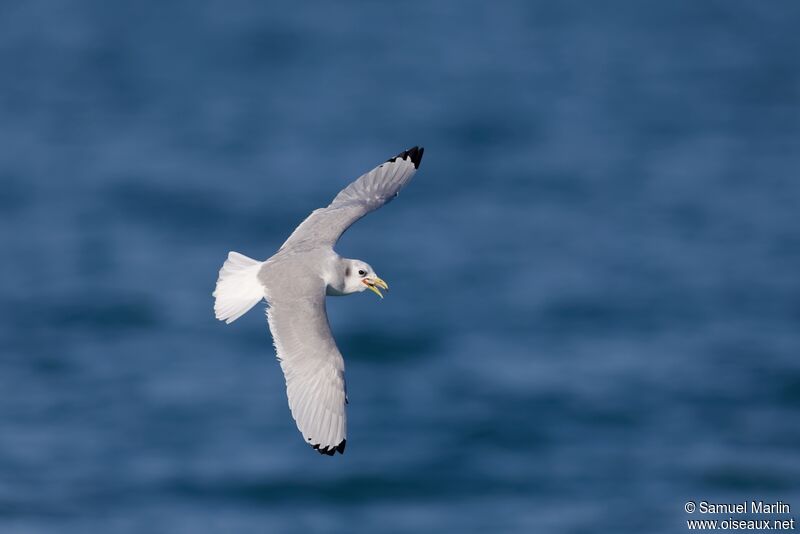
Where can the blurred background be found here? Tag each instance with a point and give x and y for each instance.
(595, 305)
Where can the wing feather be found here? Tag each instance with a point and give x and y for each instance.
(313, 368)
(367, 193)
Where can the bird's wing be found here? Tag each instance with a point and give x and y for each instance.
(368, 193)
(311, 363)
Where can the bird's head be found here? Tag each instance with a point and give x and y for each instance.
(358, 276)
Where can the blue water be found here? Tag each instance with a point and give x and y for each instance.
(595, 305)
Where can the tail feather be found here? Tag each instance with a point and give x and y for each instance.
(238, 288)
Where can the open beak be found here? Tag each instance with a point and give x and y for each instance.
(374, 283)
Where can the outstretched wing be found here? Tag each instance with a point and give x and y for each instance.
(368, 193)
(313, 367)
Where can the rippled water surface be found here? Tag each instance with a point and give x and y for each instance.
(595, 305)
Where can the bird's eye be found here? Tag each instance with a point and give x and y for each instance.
(362, 272)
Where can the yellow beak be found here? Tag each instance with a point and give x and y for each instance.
(372, 282)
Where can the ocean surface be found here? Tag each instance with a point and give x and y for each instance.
(595, 305)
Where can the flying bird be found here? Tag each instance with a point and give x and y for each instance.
(294, 283)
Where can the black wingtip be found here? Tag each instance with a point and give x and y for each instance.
(414, 154)
(332, 450)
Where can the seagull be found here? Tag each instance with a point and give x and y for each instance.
(294, 283)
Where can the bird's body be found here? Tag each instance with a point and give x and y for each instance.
(295, 282)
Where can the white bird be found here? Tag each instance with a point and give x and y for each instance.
(294, 283)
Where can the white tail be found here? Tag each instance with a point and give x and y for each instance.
(238, 288)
